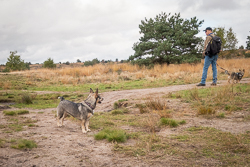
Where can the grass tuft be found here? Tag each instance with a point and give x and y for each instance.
(16, 112)
(169, 122)
(205, 110)
(24, 144)
(112, 135)
(26, 98)
(117, 112)
(221, 115)
(11, 113)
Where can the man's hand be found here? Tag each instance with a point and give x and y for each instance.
(203, 54)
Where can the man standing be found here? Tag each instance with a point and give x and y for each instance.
(209, 59)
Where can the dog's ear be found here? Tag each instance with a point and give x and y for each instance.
(96, 92)
(243, 70)
(91, 91)
(239, 69)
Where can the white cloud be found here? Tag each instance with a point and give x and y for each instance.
(87, 29)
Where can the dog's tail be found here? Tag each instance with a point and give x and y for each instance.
(61, 98)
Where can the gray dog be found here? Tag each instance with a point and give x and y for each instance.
(82, 111)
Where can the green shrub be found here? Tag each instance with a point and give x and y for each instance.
(49, 63)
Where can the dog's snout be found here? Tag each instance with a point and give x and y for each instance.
(100, 99)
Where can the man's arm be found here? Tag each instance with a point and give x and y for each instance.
(208, 39)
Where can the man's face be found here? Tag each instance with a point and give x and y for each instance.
(208, 32)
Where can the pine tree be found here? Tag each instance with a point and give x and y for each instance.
(166, 39)
(15, 62)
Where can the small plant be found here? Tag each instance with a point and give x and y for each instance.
(112, 135)
(117, 112)
(170, 122)
(182, 122)
(122, 100)
(2, 142)
(17, 112)
(221, 115)
(206, 111)
(120, 104)
(20, 112)
(24, 144)
(116, 105)
(164, 113)
(26, 98)
(142, 108)
(194, 94)
(11, 113)
(232, 108)
(156, 104)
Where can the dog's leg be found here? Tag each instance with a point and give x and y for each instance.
(87, 122)
(58, 121)
(59, 117)
(87, 126)
(64, 115)
(83, 126)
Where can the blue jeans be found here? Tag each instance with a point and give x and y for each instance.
(207, 62)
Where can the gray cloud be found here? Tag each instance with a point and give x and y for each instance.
(83, 29)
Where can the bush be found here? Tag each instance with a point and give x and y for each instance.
(49, 63)
(6, 70)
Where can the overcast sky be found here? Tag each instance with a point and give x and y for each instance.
(67, 30)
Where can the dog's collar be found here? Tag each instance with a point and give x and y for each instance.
(89, 105)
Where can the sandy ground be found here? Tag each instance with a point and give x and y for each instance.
(68, 146)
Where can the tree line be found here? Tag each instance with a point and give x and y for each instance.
(165, 39)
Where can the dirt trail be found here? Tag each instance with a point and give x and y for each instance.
(111, 97)
(68, 146)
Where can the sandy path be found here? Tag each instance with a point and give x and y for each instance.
(67, 146)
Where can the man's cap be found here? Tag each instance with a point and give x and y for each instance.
(208, 28)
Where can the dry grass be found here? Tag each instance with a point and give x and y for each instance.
(109, 73)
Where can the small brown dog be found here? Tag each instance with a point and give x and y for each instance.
(235, 76)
